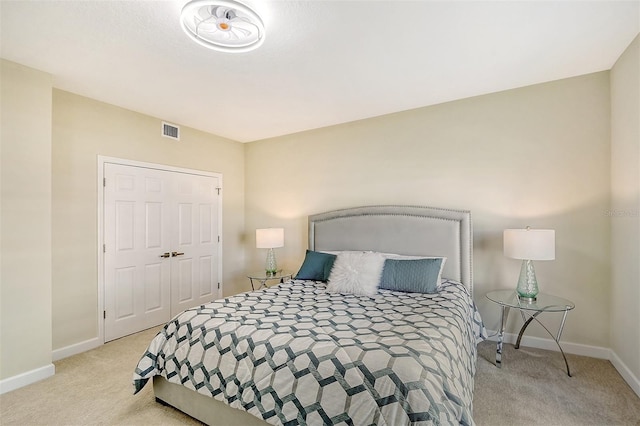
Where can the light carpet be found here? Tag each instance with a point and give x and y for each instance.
(532, 388)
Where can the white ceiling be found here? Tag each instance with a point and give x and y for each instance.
(323, 62)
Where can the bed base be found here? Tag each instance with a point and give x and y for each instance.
(200, 407)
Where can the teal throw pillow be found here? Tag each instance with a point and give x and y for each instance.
(316, 266)
(413, 276)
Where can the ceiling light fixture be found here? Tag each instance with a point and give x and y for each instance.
(223, 25)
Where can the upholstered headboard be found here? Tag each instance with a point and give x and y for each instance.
(407, 230)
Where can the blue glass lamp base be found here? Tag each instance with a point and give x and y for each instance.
(271, 266)
(527, 283)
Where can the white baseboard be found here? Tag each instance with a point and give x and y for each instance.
(24, 379)
(625, 372)
(575, 349)
(75, 349)
(550, 344)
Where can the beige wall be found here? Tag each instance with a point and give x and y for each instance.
(625, 207)
(534, 156)
(83, 129)
(25, 224)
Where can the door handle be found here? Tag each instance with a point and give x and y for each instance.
(175, 253)
(167, 254)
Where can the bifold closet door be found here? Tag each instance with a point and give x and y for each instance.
(161, 251)
(137, 236)
(194, 265)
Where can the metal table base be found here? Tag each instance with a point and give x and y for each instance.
(527, 321)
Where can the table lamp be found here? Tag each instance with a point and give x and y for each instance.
(270, 238)
(529, 244)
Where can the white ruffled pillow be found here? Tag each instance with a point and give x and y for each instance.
(356, 272)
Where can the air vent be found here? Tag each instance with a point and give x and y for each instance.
(170, 131)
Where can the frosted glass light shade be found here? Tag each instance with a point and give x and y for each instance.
(222, 25)
(530, 244)
(269, 238)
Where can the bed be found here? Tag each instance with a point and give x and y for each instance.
(302, 353)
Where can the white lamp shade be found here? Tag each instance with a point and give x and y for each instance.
(269, 238)
(530, 244)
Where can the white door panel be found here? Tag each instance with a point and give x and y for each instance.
(137, 223)
(147, 213)
(195, 272)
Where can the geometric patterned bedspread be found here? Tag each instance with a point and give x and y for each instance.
(297, 354)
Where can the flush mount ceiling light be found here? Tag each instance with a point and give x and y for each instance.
(222, 25)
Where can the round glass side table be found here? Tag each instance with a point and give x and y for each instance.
(529, 309)
(259, 279)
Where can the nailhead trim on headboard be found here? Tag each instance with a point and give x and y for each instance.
(462, 217)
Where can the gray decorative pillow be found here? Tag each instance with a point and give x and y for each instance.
(412, 275)
(357, 273)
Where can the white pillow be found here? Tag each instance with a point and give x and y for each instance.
(356, 272)
(407, 257)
